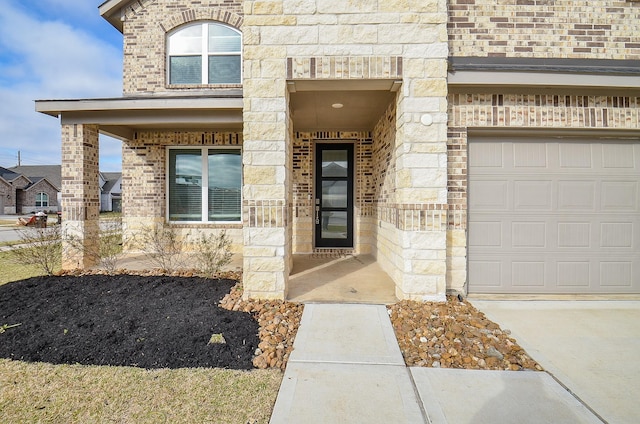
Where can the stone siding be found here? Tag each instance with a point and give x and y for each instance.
(585, 29)
(146, 24)
(329, 40)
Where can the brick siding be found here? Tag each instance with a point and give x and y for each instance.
(588, 29)
(146, 25)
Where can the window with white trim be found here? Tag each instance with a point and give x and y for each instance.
(205, 53)
(205, 184)
(42, 200)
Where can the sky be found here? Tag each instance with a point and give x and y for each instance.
(53, 49)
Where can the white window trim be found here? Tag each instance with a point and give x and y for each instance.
(204, 212)
(204, 53)
(40, 194)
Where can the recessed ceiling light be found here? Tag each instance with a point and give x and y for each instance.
(337, 105)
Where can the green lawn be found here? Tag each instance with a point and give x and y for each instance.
(13, 271)
(46, 393)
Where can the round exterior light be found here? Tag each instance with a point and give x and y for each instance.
(337, 105)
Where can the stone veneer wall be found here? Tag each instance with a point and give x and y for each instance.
(519, 111)
(144, 184)
(592, 29)
(290, 39)
(146, 24)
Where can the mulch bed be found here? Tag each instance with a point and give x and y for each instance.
(161, 321)
(125, 320)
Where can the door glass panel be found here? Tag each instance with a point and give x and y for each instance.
(334, 225)
(334, 194)
(335, 163)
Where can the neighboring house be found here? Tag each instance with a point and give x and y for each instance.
(23, 191)
(470, 146)
(110, 191)
(51, 172)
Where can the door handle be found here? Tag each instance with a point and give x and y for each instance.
(317, 211)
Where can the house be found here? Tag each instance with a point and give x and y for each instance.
(29, 189)
(469, 146)
(110, 191)
(36, 175)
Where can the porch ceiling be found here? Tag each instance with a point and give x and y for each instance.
(363, 103)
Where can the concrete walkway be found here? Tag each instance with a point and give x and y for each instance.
(347, 368)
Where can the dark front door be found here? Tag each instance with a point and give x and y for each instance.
(334, 195)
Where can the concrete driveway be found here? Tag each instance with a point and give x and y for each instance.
(591, 347)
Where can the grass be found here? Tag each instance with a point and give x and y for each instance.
(12, 271)
(110, 215)
(46, 393)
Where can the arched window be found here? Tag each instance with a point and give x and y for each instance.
(42, 200)
(205, 53)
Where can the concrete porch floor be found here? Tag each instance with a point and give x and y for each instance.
(318, 278)
(350, 279)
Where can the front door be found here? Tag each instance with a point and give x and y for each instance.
(334, 195)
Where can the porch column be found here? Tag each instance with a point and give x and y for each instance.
(80, 195)
(421, 178)
(266, 159)
(267, 233)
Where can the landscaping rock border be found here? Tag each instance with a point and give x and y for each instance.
(454, 334)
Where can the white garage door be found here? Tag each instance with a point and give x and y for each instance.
(549, 216)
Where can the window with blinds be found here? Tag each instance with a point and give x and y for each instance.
(205, 53)
(205, 184)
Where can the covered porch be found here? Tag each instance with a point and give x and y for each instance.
(319, 278)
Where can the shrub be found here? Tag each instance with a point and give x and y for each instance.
(162, 246)
(213, 252)
(42, 248)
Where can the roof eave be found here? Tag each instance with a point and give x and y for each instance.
(543, 73)
(57, 107)
(121, 117)
(111, 11)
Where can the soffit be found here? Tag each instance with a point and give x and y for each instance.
(363, 104)
(111, 11)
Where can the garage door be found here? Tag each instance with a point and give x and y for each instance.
(549, 216)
